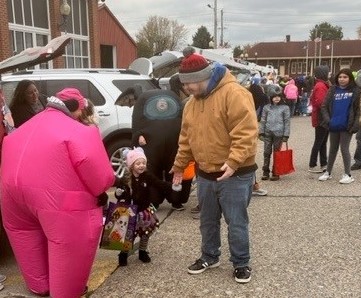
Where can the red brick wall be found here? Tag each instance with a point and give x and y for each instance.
(55, 20)
(94, 33)
(112, 33)
(5, 47)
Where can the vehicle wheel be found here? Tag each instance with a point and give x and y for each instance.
(115, 153)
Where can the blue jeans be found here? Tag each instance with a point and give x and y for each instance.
(303, 103)
(230, 197)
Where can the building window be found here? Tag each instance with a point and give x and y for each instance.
(299, 67)
(28, 25)
(77, 52)
(293, 67)
(32, 13)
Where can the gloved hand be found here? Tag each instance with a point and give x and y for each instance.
(102, 199)
(284, 139)
(261, 137)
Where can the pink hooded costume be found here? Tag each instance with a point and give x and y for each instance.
(53, 169)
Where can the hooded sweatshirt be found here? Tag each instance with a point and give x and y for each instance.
(219, 128)
(291, 91)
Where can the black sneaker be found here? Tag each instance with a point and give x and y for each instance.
(275, 178)
(178, 207)
(199, 266)
(355, 166)
(195, 209)
(265, 177)
(242, 274)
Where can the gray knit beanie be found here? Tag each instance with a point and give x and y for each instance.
(194, 67)
(321, 72)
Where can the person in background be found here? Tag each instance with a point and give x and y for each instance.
(219, 132)
(273, 130)
(89, 116)
(319, 148)
(291, 94)
(341, 116)
(260, 100)
(51, 214)
(357, 154)
(189, 173)
(156, 122)
(259, 96)
(25, 103)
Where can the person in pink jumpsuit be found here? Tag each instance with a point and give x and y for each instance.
(53, 169)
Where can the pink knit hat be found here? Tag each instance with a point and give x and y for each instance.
(133, 155)
(72, 93)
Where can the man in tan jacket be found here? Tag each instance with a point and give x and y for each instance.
(219, 131)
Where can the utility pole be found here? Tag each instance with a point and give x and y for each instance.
(222, 28)
(215, 24)
(319, 57)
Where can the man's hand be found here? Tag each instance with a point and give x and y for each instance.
(228, 172)
(177, 177)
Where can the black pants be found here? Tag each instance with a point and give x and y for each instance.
(319, 147)
(271, 143)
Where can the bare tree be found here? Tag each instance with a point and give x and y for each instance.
(160, 34)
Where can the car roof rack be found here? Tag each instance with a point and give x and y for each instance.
(76, 70)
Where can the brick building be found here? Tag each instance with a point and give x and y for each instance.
(30, 23)
(301, 57)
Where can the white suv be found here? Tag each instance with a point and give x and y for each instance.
(103, 87)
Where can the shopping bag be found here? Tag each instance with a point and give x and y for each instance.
(283, 161)
(119, 227)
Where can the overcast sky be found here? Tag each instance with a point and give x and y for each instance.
(244, 21)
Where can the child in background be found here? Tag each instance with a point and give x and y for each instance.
(134, 189)
(274, 129)
(88, 115)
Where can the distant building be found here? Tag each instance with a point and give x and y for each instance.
(98, 39)
(300, 57)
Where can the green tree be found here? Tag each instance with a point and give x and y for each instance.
(202, 38)
(160, 34)
(237, 51)
(327, 31)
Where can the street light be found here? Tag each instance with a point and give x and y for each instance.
(256, 56)
(244, 56)
(211, 44)
(65, 12)
(215, 22)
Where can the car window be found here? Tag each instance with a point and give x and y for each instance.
(8, 90)
(122, 85)
(51, 87)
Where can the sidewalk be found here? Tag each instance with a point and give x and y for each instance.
(305, 242)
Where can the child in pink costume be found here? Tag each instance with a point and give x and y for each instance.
(53, 169)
